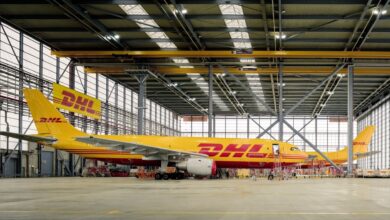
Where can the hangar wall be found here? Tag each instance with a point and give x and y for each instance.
(41, 69)
(331, 132)
(380, 117)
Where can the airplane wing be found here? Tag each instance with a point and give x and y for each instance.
(146, 150)
(31, 138)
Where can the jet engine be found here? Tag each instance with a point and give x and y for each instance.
(198, 166)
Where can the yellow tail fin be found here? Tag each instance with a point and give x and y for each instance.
(363, 139)
(48, 120)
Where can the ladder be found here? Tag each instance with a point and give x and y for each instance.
(278, 169)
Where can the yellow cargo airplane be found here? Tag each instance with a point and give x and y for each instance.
(196, 155)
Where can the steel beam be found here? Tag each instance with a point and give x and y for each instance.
(112, 70)
(280, 112)
(226, 54)
(141, 78)
(310, 144)
(56, 158)
(313, 90)
(72, 76)
(210, 110)
(106, 115)
(350, 119)
(190, 2)
(258, 124)
(21, 106)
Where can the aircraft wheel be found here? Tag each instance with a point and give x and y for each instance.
(177, 176)
(157, 176)
(165, 176)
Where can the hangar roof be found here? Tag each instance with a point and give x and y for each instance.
(242, 26)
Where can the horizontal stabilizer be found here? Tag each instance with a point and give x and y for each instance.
(31, 138)
(367, 154)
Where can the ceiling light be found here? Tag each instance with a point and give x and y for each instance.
(116, 36)
(205, 109)
(278, 35)
(377, 11)
(192, 99)
(330, 92)
(173, 84)
(283, 84)
(240, 104)
(233, 92)
(340, 75)
(184, 11)
(323, 105)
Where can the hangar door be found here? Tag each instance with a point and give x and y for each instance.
(47, 163)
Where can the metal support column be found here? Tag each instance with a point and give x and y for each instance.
(350, 118)
(210, 110)
(141, 102)
(72, 77)
(316, 130)
(106, 115)
(56, 162)
(247, 127)
(116, 109)
(20, 118)
(96, 124)
(280, 116)
(125, 115)
(39, 157)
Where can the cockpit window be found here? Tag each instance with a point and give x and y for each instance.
(294, 149)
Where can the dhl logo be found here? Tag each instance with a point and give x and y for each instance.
(235, 150)
(74, 101)
(77, 102)
(50, 120)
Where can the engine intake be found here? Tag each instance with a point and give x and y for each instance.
(198, 166)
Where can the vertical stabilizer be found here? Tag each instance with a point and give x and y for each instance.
(47, 119)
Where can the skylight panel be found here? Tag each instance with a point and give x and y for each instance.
(166, 45)
(235, 23)
(231, 9)
(253, 79)
(157, 35)
(134, 9)
(146, 23)
(203, 85)
(256, 87)
(150, 23)
(239, 35)
(244, 45)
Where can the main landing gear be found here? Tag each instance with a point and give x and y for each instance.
(167, 176)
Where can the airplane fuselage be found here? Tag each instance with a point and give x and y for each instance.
(226, 152)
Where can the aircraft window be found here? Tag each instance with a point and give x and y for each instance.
(294, 149)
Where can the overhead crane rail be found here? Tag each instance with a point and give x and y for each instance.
(227, 54)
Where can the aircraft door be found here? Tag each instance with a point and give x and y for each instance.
(276, 149)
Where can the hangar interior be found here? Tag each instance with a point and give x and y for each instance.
(186, 89)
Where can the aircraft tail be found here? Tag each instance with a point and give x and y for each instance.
(48, 120)
(363, 139)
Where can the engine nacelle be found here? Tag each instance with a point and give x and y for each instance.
(198, 166)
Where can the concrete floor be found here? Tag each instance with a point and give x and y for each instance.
(129, 198)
